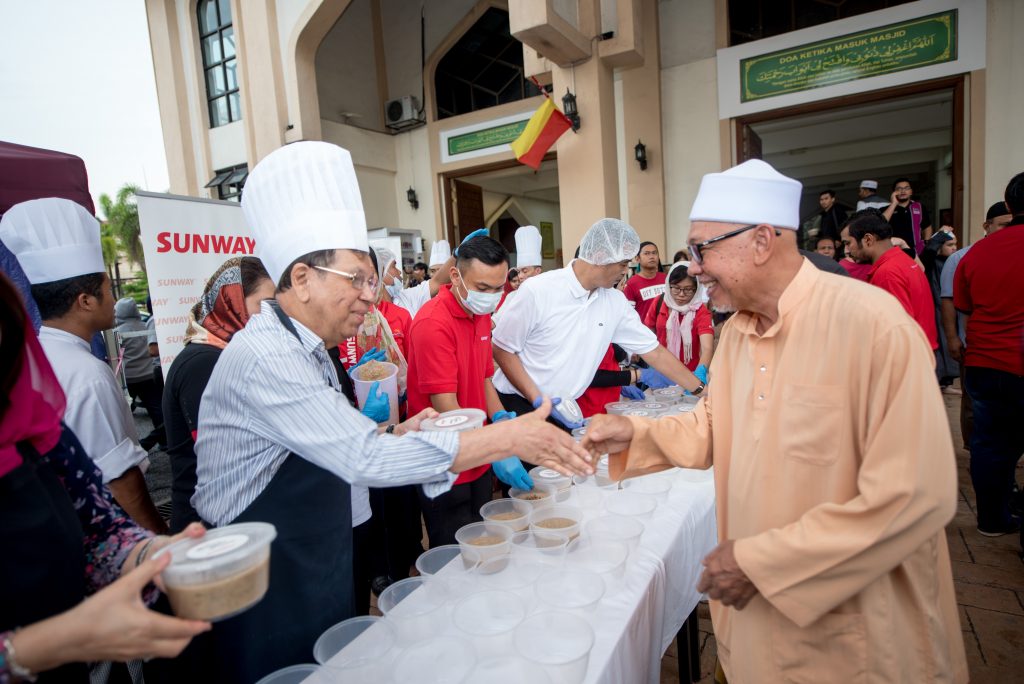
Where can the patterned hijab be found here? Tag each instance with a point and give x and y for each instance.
(679, 326)
(220, 311)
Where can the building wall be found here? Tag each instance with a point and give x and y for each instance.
(346, 70)
(1004, 103)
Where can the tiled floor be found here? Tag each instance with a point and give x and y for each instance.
(989, 577)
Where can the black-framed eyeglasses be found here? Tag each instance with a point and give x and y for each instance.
(696, 247)
(682, 290)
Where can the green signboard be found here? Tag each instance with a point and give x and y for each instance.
(487, 137)
(896, 47)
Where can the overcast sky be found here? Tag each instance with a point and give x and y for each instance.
(77, 76)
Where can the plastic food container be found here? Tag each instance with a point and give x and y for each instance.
(578, 433)
(553, 478)
(509, 573)
(650, 405)
(446, 570)
(480, 541)
(616, 408)
(546, 549)
(293, 674)
(631, 504)
(560, 642)
(657, 486)
(587, 498)
(606, 558)
(569, 410)
(678, 409)
(509, 670)
(458, 420)
(599, 480)
(573, 590)
(617, 528)
(512, 513)
(557, 520)
(221, 574)
(415, 612)
(667, 395)
(488, 618)
(441, 660)
(540, 495)
(371, 638)
(644, 413)
(387, 375)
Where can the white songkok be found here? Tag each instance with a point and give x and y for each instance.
(609, 241)
(869, 184)
(528, 243)
(440, 252)
(752, 192)
(53, 239)
(303, 198)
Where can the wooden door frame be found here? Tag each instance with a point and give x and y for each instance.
(954, 83)
(447, 176)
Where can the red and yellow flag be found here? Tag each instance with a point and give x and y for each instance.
(545, 127)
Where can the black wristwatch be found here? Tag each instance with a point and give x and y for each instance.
(390, 429)
(700, 388)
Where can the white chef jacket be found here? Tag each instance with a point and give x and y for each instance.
(412, 299)
(97, 411)
(561, 332)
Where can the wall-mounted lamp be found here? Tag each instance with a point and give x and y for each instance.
(569, 109)
(640, 152)
(410, 195)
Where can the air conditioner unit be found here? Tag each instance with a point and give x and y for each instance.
(402, 113)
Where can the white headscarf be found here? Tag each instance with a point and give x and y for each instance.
(679, 326)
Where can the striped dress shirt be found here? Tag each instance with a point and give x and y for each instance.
(272, 394)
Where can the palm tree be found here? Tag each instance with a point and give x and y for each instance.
(123, 218)
(108, 243)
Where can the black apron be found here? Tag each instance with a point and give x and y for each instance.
(310, 570)
(42, 572)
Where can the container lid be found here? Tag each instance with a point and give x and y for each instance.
(548, 476)
(578, 433)
(570, 410)
(642, 412)
(619, 405)
(220, 553)
(649, 405)
(673, 391)
(455, 421)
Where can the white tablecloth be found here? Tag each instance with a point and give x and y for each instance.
(637, 621)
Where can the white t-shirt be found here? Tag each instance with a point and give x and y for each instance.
(561, 332)
(97, 411)
(413, 298)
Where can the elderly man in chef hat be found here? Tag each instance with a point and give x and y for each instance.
(834, 473)
(440, 253)
(279, 443)
(57, 243)
(528, 248)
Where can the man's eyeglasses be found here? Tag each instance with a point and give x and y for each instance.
(696, 247)
(359, 281)
(682, 290)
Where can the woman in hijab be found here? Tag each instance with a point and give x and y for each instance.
(231, 296)
(73, 564)
(682, 321)
(939, 248)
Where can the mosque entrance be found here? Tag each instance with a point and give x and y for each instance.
(503, 197)
(916, 132)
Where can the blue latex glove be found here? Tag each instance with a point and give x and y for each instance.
(476, 233)
(511, 471)
(376, 407)
(633, 392)
(555, 401)
(503, 415)
(654, 379)
(702, 373)
(372, 354)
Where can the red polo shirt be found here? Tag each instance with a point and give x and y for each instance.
(703, 324)
(900, 276)
(449, 352)
(643, 291)
(989, 286)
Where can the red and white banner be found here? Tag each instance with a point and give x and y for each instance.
(185, 240)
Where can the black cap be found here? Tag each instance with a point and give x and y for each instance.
(997, 209)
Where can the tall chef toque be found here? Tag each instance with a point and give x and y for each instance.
(752, 192)
(440, 252)
(528, 242)
(53, 239)
(303, 198)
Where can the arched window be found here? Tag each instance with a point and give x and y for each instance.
(217, 41)
(483, 69)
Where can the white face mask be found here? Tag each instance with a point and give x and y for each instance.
(395, 287)
(480, 303)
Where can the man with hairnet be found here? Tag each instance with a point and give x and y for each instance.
(834, 473)
(551, 337)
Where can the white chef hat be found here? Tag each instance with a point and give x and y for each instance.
(869, 184)
(303, 198)
(528, 243)
(53, 239)
(440, 252)
(752, 192)
(609, 241)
